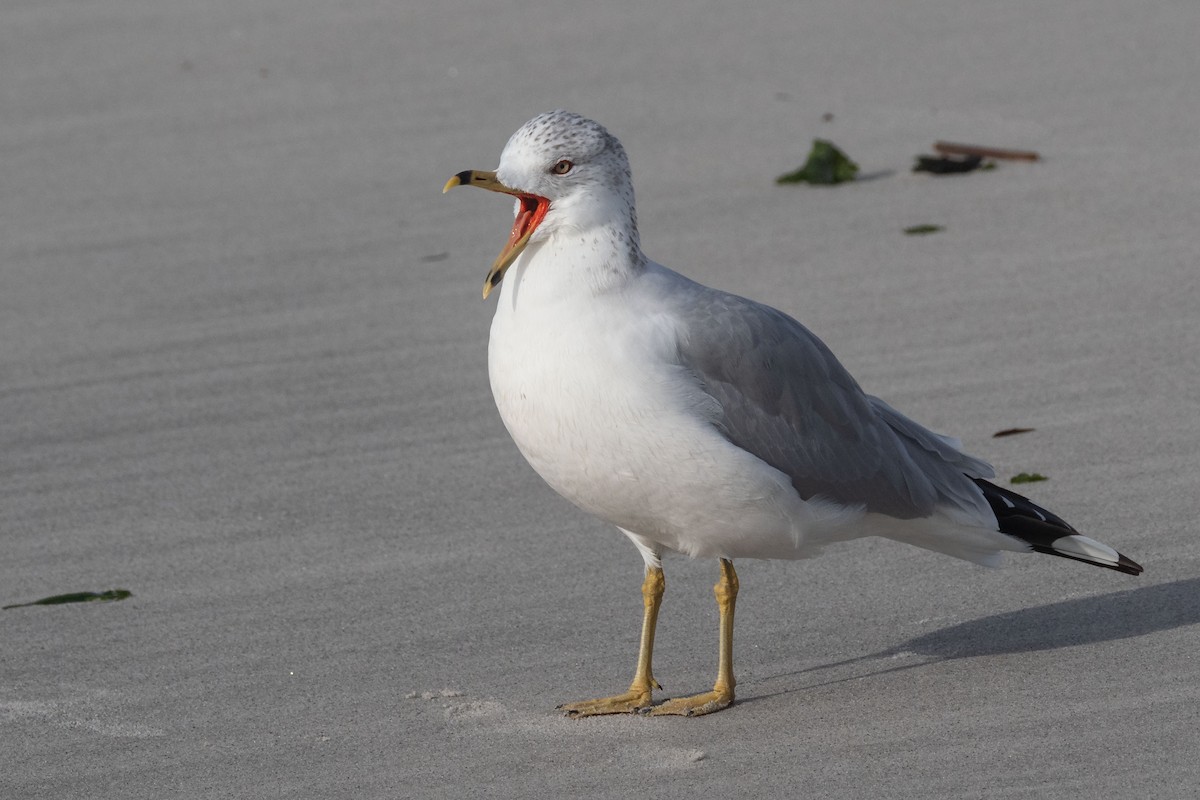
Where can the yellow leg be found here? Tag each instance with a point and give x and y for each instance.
(721, 695)
(638, 696)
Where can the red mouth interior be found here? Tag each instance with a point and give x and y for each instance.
(533, 211)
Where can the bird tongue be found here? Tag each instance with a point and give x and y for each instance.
(533, 209)
(531, 213)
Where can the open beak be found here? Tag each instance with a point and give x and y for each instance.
(529, 216)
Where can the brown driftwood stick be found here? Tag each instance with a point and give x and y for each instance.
(954, 149)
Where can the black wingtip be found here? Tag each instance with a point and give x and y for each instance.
(1124, 565)
(1045, 532)
(1128, 565)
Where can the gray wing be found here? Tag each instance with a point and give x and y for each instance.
(786, 398)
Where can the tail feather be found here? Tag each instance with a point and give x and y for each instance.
(1046, 532)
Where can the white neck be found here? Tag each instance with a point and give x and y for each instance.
(571, 264)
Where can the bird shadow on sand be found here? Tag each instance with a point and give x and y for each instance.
(1089, 620)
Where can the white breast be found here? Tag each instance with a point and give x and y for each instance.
(590, 393)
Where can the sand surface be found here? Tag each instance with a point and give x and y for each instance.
(242, 374)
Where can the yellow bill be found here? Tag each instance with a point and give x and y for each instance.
(532, 212)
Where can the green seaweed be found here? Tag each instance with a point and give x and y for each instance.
(826, 166)
(1011, 432)
(921, 230)
(945, 165)
(77, 597)
(1028, 477)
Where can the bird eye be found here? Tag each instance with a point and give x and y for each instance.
(562, 167)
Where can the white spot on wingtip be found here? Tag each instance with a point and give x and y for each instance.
(1089, 549)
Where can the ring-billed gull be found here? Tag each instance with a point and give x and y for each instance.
(700, 422)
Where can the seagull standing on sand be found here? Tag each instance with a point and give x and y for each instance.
(700, 422)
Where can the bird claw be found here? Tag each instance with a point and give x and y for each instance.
(631, 702)
(695, 706)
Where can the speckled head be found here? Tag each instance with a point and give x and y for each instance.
(568, 174)
(548, 139)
